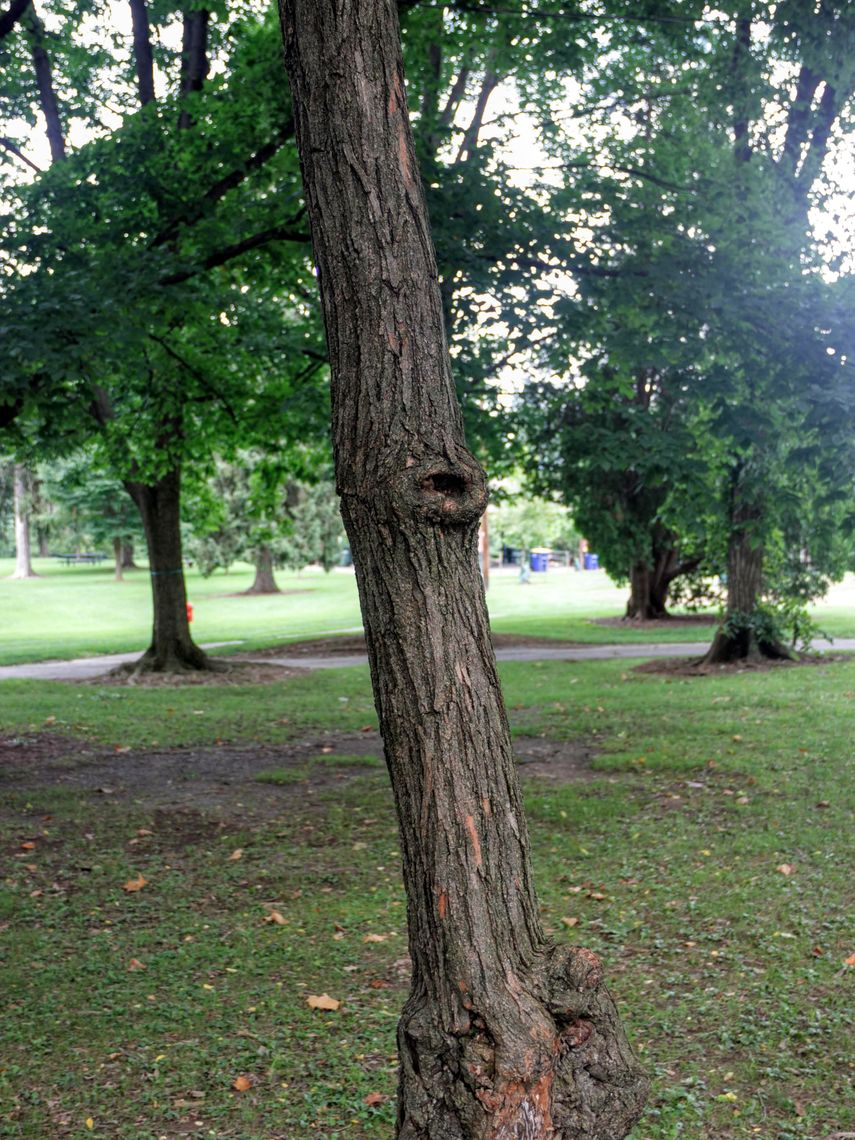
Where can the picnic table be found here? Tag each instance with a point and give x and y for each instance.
(87, 558)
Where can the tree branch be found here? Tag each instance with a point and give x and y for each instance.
(798, 117)
(829, 108)
(11, 16)
(143, 58)
(220, 188)
(44, 80)
(7, 144)
(470, 139)
(194, 58)
(230, 252)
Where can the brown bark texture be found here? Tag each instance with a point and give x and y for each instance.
(503, 1035)
(264, 581)
(737, 639)
(172, 649)
(23, 551)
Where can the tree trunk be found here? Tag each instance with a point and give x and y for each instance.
(118, 560)
(264, 583)
(737, 639)
(503, 1035)
(23, 556)
(172, 649)
(649, 585)
(128, 555)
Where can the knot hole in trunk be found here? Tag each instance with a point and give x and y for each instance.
(446, 482)
(452, 495)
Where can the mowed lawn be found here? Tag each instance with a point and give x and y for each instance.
(74, 611)
(160, 942)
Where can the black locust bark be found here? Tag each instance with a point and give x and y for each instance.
(264, 581)
(504, 1036)
(172, 649)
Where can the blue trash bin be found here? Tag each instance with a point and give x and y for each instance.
(539, 561)
(592, 561)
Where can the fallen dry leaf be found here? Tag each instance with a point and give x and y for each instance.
(322, 1001)
(235, 855)
(598, 895)
(241, 1084)
(136, 964)
(850, 961)
(28, 846)
(136, 884)
(143, 831)
(373, 1099)
(276, 918)
(570, 921)
(374, 938)
(785, 868)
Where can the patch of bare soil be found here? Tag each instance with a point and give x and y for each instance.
(227, 673)
(341, 646)
(221, 782)
(695, 667)
(677, 622)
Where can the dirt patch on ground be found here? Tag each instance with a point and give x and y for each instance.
(233, 672)
(221, 782)
(695, 667)
(690, 621)
(355, 644)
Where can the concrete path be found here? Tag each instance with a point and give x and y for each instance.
(85, 667)
(80, 668)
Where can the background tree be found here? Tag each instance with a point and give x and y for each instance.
(89, 509)
(131, 327)
(703, 271)
(503, 1033)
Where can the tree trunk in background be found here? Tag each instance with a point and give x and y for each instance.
(503, 1035)
(744, 585)
(128, 555)
(23, 556)
(118, 559)
(649, 584)
(172, 649)
(264, 583)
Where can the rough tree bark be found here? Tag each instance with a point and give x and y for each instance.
(264, 582)
(23, 554)
(503, 1035)
(172, 649)
(737, 638)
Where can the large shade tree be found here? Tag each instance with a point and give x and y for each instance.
(706, 309)
(504, 1034)
(128, 261)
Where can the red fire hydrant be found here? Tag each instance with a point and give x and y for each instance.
(189, 612)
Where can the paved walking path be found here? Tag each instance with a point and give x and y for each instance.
(83, 668)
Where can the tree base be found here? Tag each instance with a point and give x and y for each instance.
(263, 589)
(640, 616)
(727, 649)
(568, 1075)
(175, 659)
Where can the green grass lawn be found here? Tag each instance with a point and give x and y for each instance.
(129, 1015)
(74, 611)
